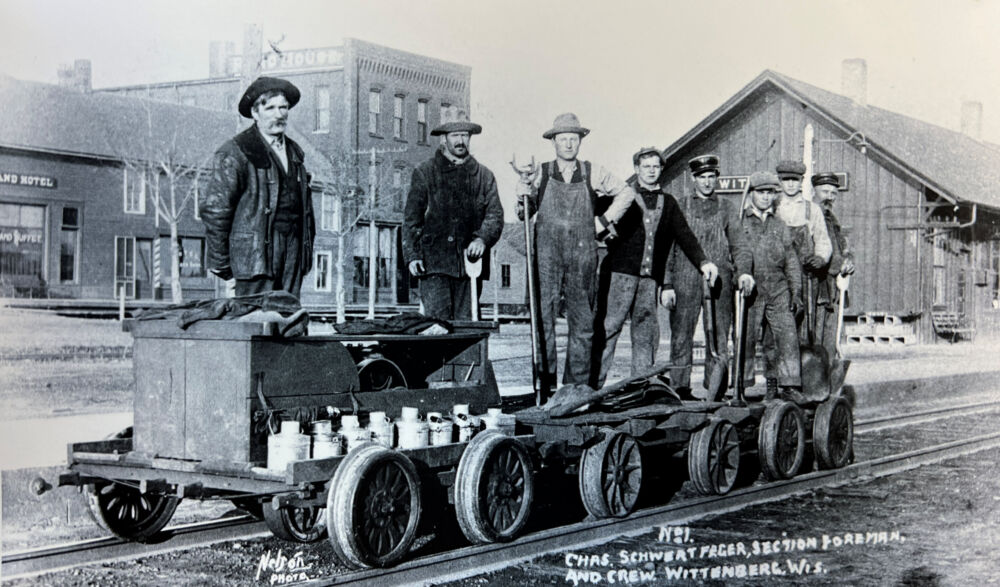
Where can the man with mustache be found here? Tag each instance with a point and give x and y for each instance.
(257, 209)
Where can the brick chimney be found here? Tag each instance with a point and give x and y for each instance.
(76, 76)
(972, 119)
(854, 80)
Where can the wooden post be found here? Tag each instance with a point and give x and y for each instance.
(121, 303)
(372, 237)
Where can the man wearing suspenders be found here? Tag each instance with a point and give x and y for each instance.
(715, 222)
(563, 199)
(633, 271)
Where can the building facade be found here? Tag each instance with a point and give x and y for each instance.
(357, 99)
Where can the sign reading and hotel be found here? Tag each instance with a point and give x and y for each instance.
(734, 184)
(34, 181)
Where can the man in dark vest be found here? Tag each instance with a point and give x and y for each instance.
(564, 198)
(452, 212)
(715, 222)
(633, 271)
(826, 188)
(257, 209)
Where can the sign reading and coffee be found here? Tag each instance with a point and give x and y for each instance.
(25, 179)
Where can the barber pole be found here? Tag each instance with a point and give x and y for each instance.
(156, 264)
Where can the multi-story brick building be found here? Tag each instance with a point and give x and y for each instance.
(356, 98)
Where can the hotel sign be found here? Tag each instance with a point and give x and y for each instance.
(292, 60)
(25, 179)
(734, 184)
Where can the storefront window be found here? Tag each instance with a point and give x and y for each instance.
(69, 244)
(321, 267)
(22, 246)
(192, 257)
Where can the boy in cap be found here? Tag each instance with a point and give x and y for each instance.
(452, 212)
(777, 296)
(633, 270)
(826, 187)
(564, 198)
(715, 222)
(257, 208)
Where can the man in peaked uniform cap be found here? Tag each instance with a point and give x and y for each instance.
(633, 271)
(826, 187)
(452, 212)
(715, 222)
(257, 209)
(565, 197)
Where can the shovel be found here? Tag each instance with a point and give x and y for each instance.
(716, 367)
(815, 364)
(838, 368)
(474, 269)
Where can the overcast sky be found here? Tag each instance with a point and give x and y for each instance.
(637, 73)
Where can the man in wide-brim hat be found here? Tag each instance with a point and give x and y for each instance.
(257, 209)
(566, 197)
(452, 213)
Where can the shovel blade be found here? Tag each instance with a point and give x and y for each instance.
(716, 378)
(815, 373)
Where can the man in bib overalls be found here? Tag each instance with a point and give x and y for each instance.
(564, 199)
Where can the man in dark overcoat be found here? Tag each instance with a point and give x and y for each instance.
(452, 212)
(257, 209)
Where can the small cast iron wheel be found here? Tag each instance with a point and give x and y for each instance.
(610, 476)
(126, 513)
(714, 458)
(494, 488)
(295, 524)
(781, 440)
(249, 505)
(373, 507)
(833, 433)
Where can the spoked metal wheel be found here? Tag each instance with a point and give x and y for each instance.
(123, 511)
(373, 507)
(306, 524)
(494, 488)
(714, 458)
(833, 432)
(781, 440)
(611, 475)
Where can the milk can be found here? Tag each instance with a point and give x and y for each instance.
(380, 427)
(460, 413)
(441, 430)
(324, 442)
(286, 446)
(412, 430)
(352, 432)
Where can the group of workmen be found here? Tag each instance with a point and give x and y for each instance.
(780, 250)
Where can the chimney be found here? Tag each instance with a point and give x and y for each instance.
(854, 80)
(972, 119)
(76, 76)
(218, 55)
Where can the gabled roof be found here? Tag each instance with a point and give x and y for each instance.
(52, 119)
(951, 163)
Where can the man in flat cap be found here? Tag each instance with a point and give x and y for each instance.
(778, 288)
(565, 198)
(715, 222)
(257, 209)
(633, 270)
(453, 212)
(826, 187)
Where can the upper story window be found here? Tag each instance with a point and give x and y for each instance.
(322, 109)
(374, 109)
(135, 184)
(422, 122)
(329, 218)
(397, 117)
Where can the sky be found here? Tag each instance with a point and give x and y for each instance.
(637, 73)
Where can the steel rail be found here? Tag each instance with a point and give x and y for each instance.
(909, 418)
(470, 561)
(36, 561)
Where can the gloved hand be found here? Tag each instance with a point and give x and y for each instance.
(224, 273)
(814, 262)
(746, 284)
(795, 305)
(417, 267)
(710, 272)
(668, 299)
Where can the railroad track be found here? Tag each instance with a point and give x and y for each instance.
(456, 564)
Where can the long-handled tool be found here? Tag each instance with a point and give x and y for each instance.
(538, 371)
(815, 364)
(838, 364)
(474, 269)
(740, 335)
(716, 367)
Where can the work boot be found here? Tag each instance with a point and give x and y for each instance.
(772, 389)
(685, 393)
(792, 394)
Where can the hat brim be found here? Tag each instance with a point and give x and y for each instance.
(469, 127)
(566, 129)
(263, 85)
(790, 175)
